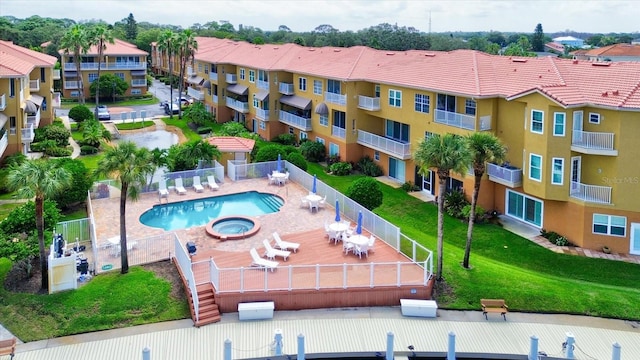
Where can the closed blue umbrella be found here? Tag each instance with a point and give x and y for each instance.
(359, 227)
(337, 211)
(279, 164)
(313, 189)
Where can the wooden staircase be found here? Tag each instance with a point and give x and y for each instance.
(207, 308)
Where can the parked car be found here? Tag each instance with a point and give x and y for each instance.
(173, 108)
(103, 113)
(184, 101)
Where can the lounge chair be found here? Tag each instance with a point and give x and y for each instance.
(197, 185)
(180, 187)
(162, 189)
(285, 245)
(211, 183)
(260, 262)
(271, 253)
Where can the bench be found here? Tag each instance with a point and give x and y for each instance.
(8, 347)
(421, 308)
(494, 306)
(256, 310)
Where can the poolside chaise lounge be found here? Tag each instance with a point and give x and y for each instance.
(162, 189)
(285, 245)
(180, 187)
(197, 186)
(260, 262)
(271, 253)
(211, 183)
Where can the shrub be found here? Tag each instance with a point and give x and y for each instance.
(22, 220)
(269, 152)
(43, 145)
(454, 202)
(366, 192)
(80, 113)
(340, 168)
(58, 152)
(232, 128)
(285, 139)
(332, 160)
(88, 150)
(313, 151)
(368, 167)
(204, 130)
(298, 160)
(81, 183)
(18, 247)
(59, 134)
(197, 114)
(466, 211)
(409, 186)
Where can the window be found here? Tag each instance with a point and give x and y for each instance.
(214, 68)
(317, 87)
(303, 135)
(241, 74)
(199, 67)
(395, 98)
(446, 103)
(557, 171)
(12, 125)
(302, 84)
(594, 118)
(376, 155)
(12, 87)
(93, 77)
(397, 131)
(470, 107)
(42, 75)
(263, 76)
(263, 125)
(535, 167)
(427, 135)
(333, 86)
(206, 69)
(120, 75)
(524, 208)
(609, 225)
(537, 121)
(334, 149)
(75, 93)
(559, 120)
(340, 119)
(377, 91)
(252, 76)
(320, 140)
(256, 102)
(422, 103)
(324, 120)
(136, 91)
(291, 131)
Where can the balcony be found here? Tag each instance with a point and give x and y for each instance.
(368, 103)
(71, 84)
(108, 66)
(195, 93)
(262, 84)
(27, 134)
(285, 88)
(213, 76)
(232, 78)
(56, 74)
(338, 132)
(590, 193)
(34, 85)
(594, 143)
(34, 119)
(190, 71)
(296, 121)
(507, 175)
(237, 105)
(3, 102)
(55, 100)
(214, 98)
(454, 119)
(338, 99)
(394, 148)
(4, 141)
(262, 114)
(138, 82)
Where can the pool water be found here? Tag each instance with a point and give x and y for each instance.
(190, 213)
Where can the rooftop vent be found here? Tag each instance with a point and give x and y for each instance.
(575, 61)
(604, 94)
(336, 50)
(430, 54)
(518, 60)
(601, 63)
(616, 92)
(311, 49)
(390, 53)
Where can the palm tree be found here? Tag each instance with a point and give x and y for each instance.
(445, 153)
(127, 164)
(168, 43)
(40, 179)
(187, 45)
(100, 36)
(76, 41)
(484, 148)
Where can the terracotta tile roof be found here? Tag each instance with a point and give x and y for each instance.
(615, 50)
(30, 57)
(119, 47)
(232, 143)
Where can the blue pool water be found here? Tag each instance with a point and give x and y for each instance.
(186, 214)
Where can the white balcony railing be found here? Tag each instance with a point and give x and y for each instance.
(236, 105)
(213, 76)
(368, 103)
(138, 82)
(27, 133)
(262, 84)
(388, 146)
(262, 114)
(195, 93)
(338, 99)
(56, 74)
(456, 119)
(285, 88)
(505, 175)
(73, 84)
(214, 98)
(56, 100)
(590, 193)
(232, 78)
(338, 132)
(34, 85)
(592, 140)
(295, 121)
(108, 66)
(34, 119)
(3, 102)
(4, 142)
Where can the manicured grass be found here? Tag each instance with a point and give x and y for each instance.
(186, 130)
(8, 196)
(90, 161)
(529, 277)
(5, 209)
(75, 215)
(135, 125)
(91, 104)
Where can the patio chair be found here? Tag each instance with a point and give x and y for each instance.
(304, 203)
(348, 247)
(197, 185)
(285, 245)
(180, 187)
(256, 260)
(372, 241)
(271, 253)
(272, 180)
(211, 183)
(162, 189)
(362, 249)
(322, 202)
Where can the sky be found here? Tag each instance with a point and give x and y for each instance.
(594, 16)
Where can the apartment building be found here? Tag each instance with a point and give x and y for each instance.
(121, 59)
(569, 125)
(27, 100)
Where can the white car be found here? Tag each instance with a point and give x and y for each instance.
(103, 113)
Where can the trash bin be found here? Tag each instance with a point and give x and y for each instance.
(191, 248)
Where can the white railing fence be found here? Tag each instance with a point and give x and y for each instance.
(591, 193)
(592, 140)
(73, 230)
(92, 231)
(184, 262)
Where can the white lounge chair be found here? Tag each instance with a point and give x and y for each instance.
(260, 262)
(180, 187)
(211, 183)
(162, 189)
(271, 253)
(285, 245)
(197, 185)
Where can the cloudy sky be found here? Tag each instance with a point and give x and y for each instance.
(304, 15)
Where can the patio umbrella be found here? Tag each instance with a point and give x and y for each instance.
(337, 211)
(359, 227)
(313, 189)
(279, 164)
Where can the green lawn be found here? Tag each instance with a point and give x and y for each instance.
(182, 124)
(91, 104)
(135, 125)
(5, 209)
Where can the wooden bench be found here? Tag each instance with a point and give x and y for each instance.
(494, 306)
(256, 310)
(416, 307)
(8, 347)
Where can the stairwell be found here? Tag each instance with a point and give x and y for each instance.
(208, 311)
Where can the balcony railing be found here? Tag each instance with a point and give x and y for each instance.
(27, 133)
(190, 71)
(388, 146)
(138, 82)
(73, 84)
(368, 103)
(506, 175)
(593, 142)
(338, 132)
(214, 98)
(285, 88)
(338, 99)
(195, 93)
(56, 74)
(262, 114)
(213, 76)
(236, 105)
(4, 142)
(34, 119)
(108, 66)
(3, 102)
(454, 119)
(262, 84)
(295, 121)
(55, 100)
(590, 193)
(34, 85)
(232, 78)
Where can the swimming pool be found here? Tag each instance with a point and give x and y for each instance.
(190, 213)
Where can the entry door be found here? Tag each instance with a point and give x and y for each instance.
(427, 182)
(635, 239)
(576, 165)
(578, 118)
(254, 124)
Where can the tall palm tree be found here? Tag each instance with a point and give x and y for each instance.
(187, 46)
(484, 147)
(128, 164)
(76, 41)
(446, 153)
(40, 179)
(168, 43)
(100, 36)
